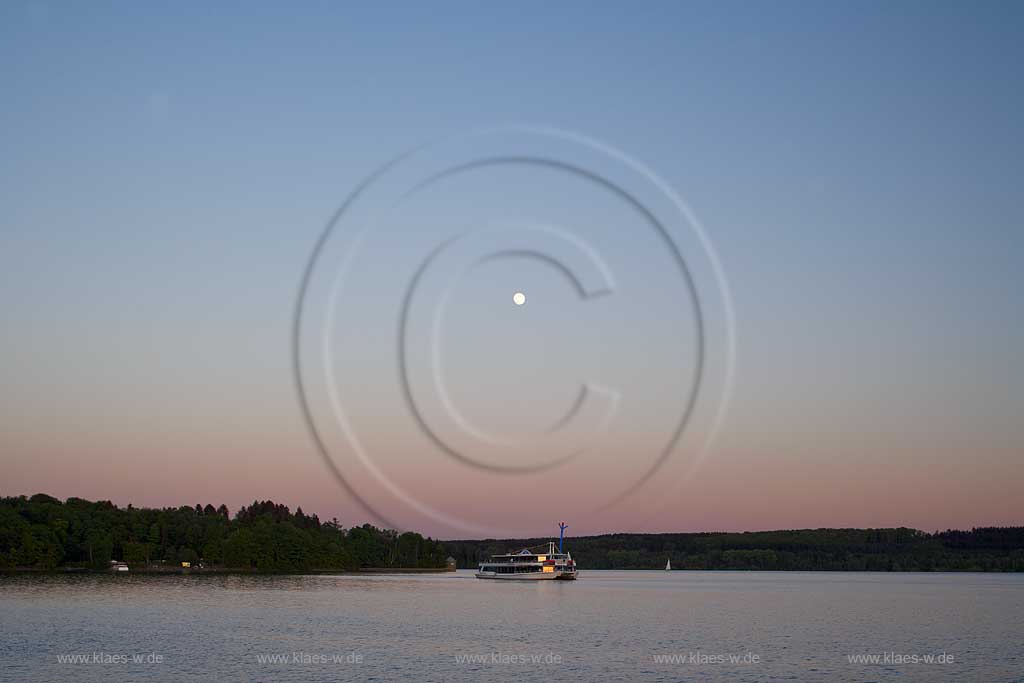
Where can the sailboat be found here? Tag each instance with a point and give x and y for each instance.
(668, 565)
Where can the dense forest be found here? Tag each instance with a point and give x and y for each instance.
(984, 549)
(42, 532)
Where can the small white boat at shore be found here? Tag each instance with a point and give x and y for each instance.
(668, 565)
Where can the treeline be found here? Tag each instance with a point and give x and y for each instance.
(42, 532)
(992, 549)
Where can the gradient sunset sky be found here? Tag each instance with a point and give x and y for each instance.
(167, 172)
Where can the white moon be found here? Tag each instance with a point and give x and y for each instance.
(519, 298)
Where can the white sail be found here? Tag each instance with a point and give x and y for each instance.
(668, 565)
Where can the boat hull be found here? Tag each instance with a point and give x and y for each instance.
(537, 576)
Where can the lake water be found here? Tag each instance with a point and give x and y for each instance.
(608, 626)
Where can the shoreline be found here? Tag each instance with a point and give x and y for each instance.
(210, 571)
(176, 571)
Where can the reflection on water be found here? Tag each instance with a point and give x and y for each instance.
(606, 626)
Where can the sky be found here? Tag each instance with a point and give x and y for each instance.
(801, 224)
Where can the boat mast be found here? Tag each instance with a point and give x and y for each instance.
(562, 526)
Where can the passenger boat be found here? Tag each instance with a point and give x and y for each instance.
(531, 564)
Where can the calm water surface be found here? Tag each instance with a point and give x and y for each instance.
(658, 626)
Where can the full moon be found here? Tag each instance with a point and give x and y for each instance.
(519, 298)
